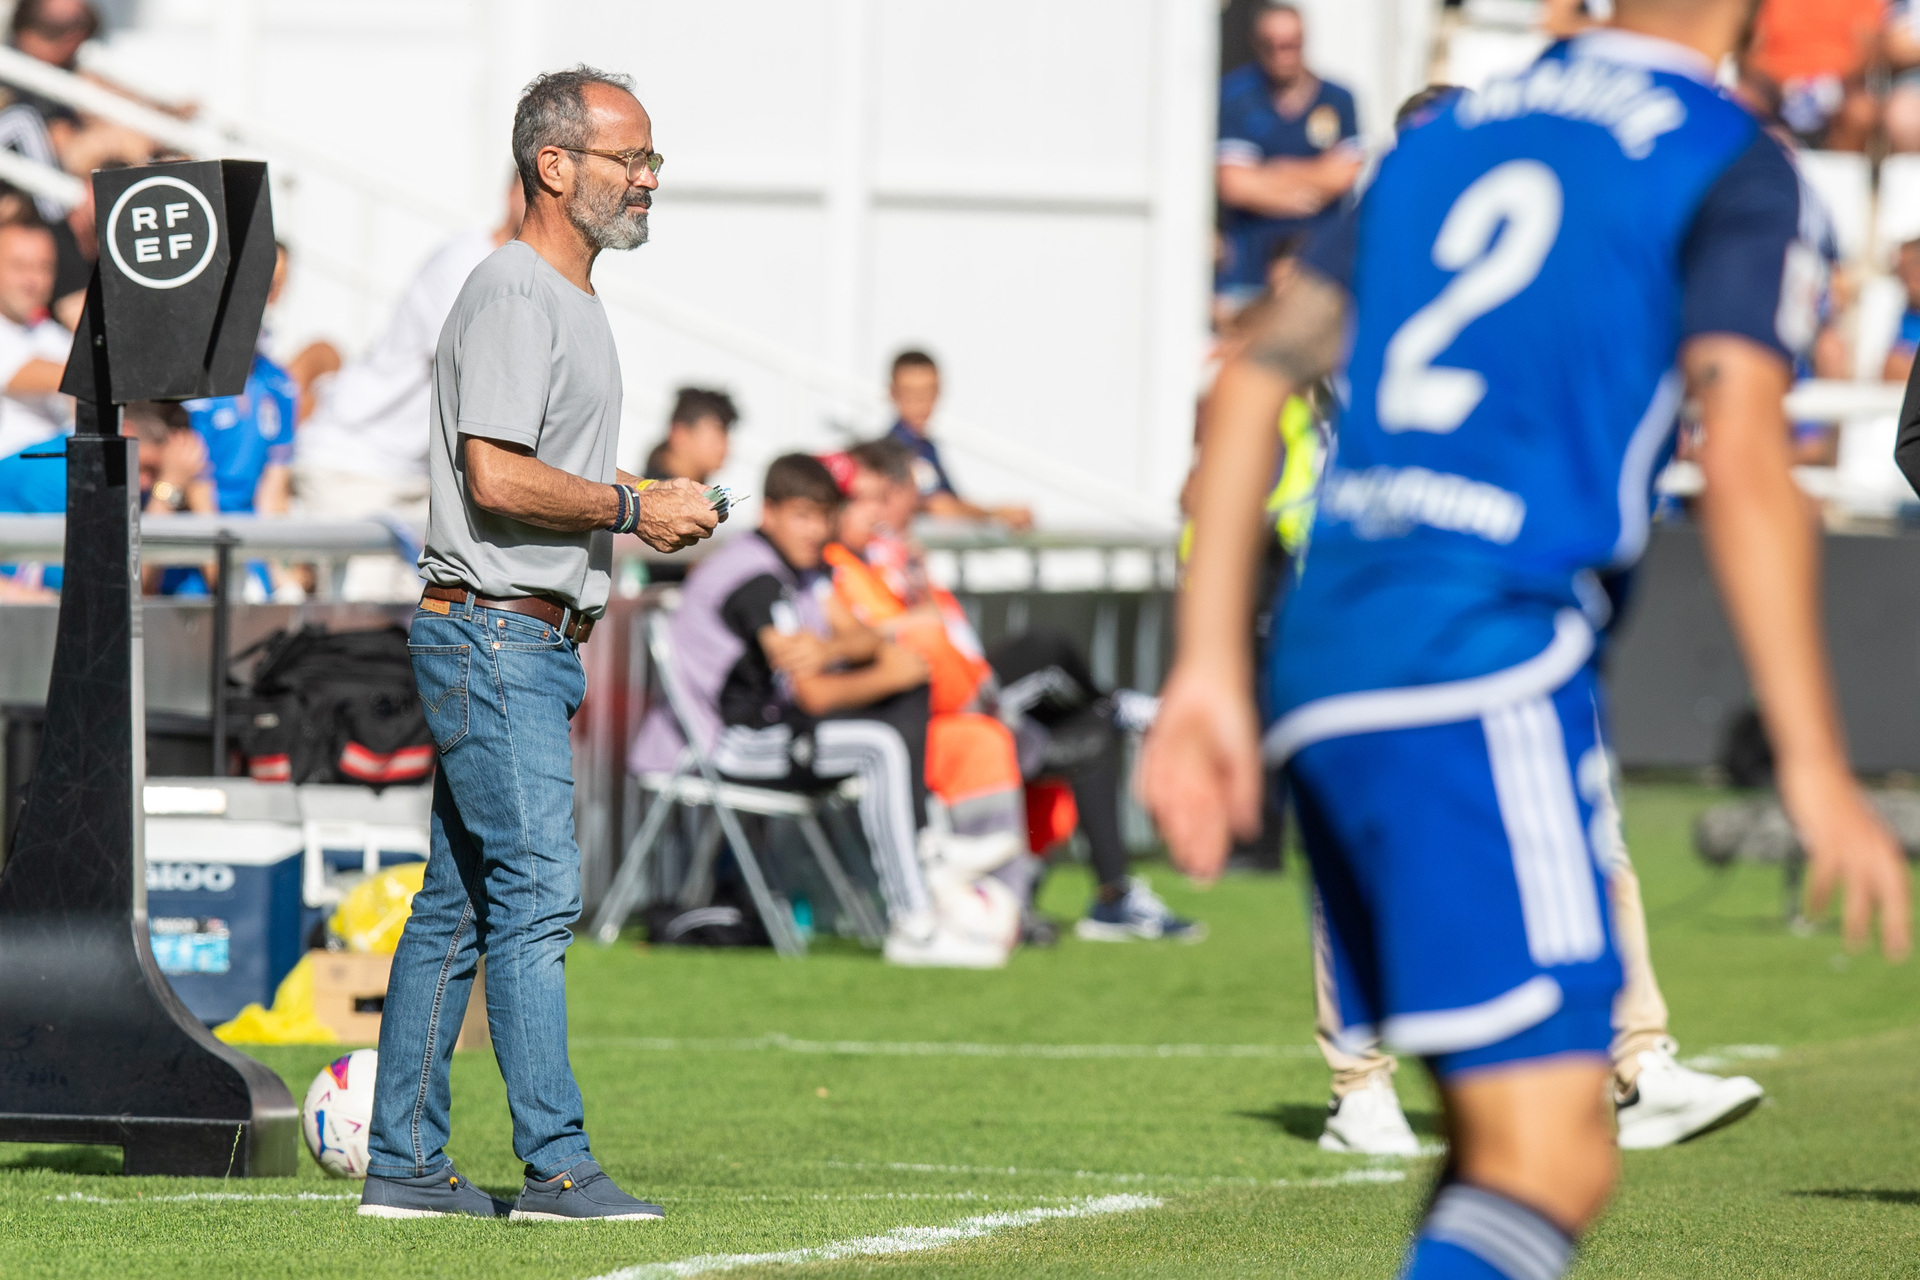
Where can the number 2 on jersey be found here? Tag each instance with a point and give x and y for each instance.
(1524, 197)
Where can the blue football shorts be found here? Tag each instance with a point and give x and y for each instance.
(1459, 892)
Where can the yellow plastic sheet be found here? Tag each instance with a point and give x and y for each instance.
(290, 1021)
(374, 912)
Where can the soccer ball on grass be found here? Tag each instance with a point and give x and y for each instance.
(339, 1111)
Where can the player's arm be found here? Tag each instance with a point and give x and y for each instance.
(1763, 541)
(804, 654)
(893, 670)
(1200, 773)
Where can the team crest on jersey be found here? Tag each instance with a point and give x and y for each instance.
(1622, 100)
(1323, 127)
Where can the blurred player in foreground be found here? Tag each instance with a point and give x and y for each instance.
(1658, 1100)
(1536, 278)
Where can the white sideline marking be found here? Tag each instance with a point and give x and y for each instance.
(899, 1240)
(1726, 1055)
(1353, 1177)
(944, 1048)
(79, 1197)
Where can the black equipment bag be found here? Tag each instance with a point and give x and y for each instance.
(332, 707)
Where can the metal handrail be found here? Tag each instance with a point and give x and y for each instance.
(169, 539)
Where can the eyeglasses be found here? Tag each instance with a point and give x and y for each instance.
(636, 160)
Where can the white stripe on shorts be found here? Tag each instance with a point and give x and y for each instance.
(1551, 861)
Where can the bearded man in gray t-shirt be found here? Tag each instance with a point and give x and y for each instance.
(526, 501)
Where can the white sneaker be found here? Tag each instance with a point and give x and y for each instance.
(983, 910)
(927, 942)
(943, 949)
(1670, 1103)
(1369, 1122)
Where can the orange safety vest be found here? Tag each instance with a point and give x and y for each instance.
(954, 676)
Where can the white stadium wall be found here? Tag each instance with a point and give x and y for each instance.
(1021, 186)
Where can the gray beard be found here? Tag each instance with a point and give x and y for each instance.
(603, 218)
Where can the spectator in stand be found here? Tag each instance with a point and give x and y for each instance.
(915, 391)
(52, 31)
(1900, 41)
(363, 451)
(33, 345)
(1286, 152)
(1813, 56)
(249, 437)
(697, 436)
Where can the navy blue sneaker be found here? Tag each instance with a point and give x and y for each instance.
(1138, 913)
(437, 1195)
(582, 1194)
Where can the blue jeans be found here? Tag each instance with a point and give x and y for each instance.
(503, 881)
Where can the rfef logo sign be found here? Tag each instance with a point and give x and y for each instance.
(186, 257)
(162, 232)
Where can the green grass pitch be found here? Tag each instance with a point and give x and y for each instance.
(1025, 1161)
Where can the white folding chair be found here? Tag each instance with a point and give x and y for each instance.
(696, 783)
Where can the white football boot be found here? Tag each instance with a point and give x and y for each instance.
(925, 941)
(1669, 1103)
(1369, 1122)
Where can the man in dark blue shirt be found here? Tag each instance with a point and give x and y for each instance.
(1286, 152)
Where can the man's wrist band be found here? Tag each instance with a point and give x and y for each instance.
(628, 518)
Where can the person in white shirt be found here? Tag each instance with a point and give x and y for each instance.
(363, 451)
(33, 346)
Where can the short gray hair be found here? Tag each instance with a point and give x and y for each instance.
(553, 113)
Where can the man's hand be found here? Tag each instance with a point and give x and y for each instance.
(182, 458)
(675, 514)
(1199, 771)
(1014, 516)
(1848, 845)
(799, 655)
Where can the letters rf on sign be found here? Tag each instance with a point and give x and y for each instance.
(162, 233)
(146, 217)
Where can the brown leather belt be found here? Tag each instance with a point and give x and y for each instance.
(568, 622)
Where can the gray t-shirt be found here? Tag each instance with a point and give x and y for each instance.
(524, 358)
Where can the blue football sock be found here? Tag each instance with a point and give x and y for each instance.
(1474, 1234)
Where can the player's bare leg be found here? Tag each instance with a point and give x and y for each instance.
(1533, 1163)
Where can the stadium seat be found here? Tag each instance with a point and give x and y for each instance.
(696, 783)
(1844, 183)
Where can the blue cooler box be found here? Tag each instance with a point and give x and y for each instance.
(223, 909)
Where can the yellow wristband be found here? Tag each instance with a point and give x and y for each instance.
(642, 485)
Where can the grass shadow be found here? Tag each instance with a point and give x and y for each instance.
(1305, 1120)
(88, 1161)
(1870, 1194)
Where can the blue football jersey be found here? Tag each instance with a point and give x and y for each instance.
(1524, 270)
(247, 433)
